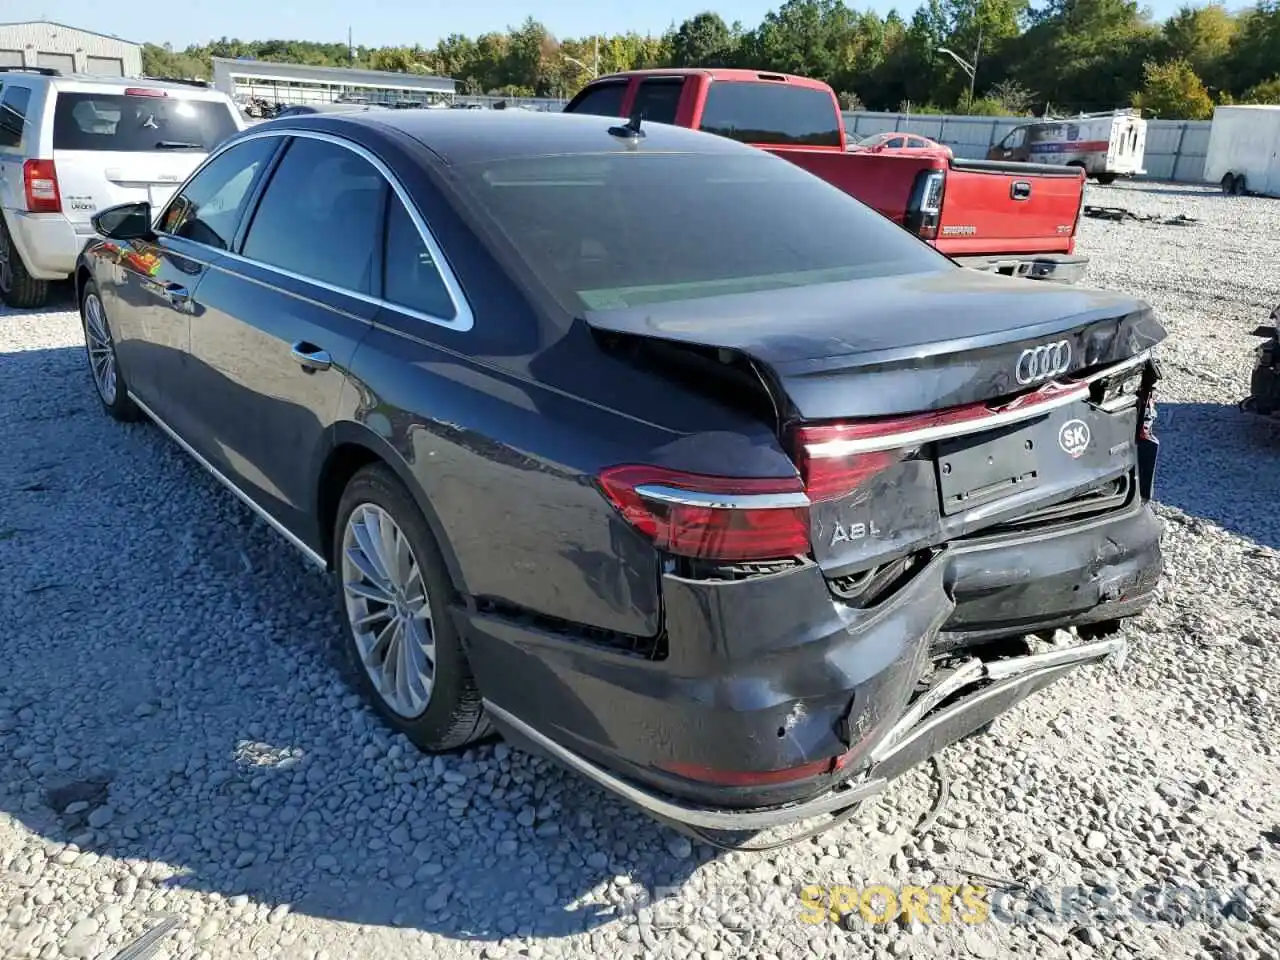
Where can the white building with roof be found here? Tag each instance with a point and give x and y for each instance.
(295, 83)
(67, 49)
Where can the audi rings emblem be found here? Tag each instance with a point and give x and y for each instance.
(1037, 364)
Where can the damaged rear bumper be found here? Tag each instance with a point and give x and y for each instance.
(775, 701)
(922, 732)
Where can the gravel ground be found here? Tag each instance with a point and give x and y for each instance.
(176, 746)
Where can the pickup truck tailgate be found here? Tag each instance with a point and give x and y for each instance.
(991, 207)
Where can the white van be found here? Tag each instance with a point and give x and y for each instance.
(71, 146)
(1107, 145)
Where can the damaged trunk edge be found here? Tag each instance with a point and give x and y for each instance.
(983, 691)
(878, 347)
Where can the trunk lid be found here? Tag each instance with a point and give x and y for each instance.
(926, 407)
(898, 345)
(91, 180)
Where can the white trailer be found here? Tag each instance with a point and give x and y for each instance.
(1244, 149)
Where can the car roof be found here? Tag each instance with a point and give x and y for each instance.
(82, 81)
(719, 73)
(469, 136)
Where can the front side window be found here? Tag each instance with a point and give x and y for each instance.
(772, 112)
(14, 102)
(139, 124)
(895, 143)
(617, 230)
(602, 100)
(1015, 138)
(209, 208)
(319, 215)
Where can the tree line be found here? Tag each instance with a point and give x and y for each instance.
(1052, 56)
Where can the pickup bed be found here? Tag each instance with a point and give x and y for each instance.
(1013, 218)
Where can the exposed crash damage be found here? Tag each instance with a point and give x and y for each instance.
(1264, 383)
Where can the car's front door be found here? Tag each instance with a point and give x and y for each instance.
(284, 318)
(154, 294)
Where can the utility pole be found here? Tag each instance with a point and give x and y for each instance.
(351, 50)
(973, 75)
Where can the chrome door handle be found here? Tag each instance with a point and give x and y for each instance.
(310, 357)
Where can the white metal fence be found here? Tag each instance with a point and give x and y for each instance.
(1175, 148)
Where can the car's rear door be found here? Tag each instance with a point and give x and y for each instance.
(281, 319)
(123, 144)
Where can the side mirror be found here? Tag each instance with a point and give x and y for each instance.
(125, 221)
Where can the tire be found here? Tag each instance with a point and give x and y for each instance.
(100, 353)
(1241, 186)
(451, 715)
(1229, 183)
(18, 288)
(1106, 179)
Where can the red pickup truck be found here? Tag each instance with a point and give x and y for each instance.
(1014, 218)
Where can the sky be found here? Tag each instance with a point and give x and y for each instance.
(376, 23)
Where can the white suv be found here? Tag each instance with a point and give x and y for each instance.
(71, 146)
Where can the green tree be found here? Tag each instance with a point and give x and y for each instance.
(1266, 92)
(1172, 91)
(703, 41)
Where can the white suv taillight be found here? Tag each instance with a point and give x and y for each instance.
(40, 184)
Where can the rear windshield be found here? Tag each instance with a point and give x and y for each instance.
(619, 230)
(110, 121)
(768, 111)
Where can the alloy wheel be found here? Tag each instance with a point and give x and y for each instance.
(102, 353)
(388, 609)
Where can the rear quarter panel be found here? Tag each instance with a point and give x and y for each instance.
(501, 430)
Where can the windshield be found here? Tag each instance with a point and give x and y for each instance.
(620, 230)
(114, 121)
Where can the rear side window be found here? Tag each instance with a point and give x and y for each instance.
(657, 100)
(134, 124)
(772, 112)
(915, 143)
(602, 100)
(410, 276)
(319, 216)
(13, 114)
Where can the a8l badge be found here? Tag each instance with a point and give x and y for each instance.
(1073, 438)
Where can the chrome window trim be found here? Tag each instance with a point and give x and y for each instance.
(463, 319)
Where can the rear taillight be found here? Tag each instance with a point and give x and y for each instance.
(924, 209)
(714, 518)
(40, 184)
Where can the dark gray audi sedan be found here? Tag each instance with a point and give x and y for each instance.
(647, 448)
